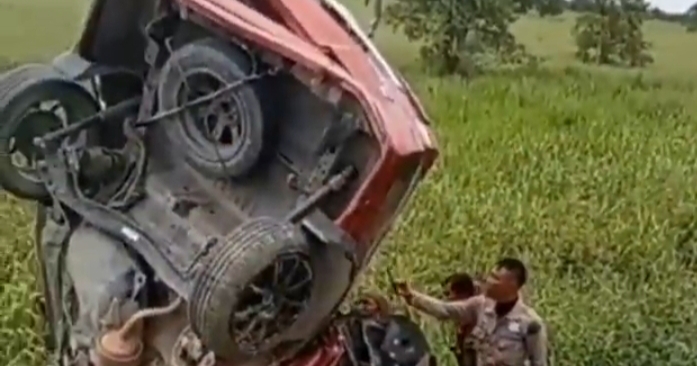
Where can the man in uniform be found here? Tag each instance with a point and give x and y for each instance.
(461, 286)
(506, 332)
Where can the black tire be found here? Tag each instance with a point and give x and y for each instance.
(226, 277)
(219, 60)
(20, 89)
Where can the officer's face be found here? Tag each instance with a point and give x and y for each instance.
(501, 285)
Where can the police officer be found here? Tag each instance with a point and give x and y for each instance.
(506, 332)
(461, 286)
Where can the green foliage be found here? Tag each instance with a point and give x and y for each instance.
(690, 19)
(582, 5)
(20, 323)
(612, 34)
(589, 178)
(454, 33)
(658, 14)
(550, 7)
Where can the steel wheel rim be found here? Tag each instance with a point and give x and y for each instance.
(272, 301)
(39, 120)
(216, 123)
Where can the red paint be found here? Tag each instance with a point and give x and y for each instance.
(310, 36)
(305, 33)
(328, 352)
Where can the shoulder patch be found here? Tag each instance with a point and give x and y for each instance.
(534, 327)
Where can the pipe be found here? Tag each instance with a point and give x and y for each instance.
(124, 346)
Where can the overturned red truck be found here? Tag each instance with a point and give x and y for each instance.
(211, 176)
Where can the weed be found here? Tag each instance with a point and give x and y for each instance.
(590, 177)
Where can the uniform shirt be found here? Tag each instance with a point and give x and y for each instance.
(465, 347)
(517, 339)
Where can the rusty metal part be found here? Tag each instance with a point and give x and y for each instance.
(334, 184)
(187, 350)
(163, 333)
(124, 346)
(113, 350)
(207, 360)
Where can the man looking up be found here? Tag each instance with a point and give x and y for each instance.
(506, 332)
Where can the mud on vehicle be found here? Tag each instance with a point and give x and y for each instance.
(210, 177)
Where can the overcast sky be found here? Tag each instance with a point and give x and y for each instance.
(673, 6)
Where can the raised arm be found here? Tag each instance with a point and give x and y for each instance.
(463, 311)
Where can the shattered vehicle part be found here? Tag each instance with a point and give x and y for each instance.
(211, 176)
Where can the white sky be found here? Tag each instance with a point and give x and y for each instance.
(672, 6)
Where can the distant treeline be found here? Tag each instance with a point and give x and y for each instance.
(654, 13)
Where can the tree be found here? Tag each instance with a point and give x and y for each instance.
(582, 5)
(691, 18)
(550, 7)
(453, 31)
(612, 34)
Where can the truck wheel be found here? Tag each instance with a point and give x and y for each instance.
(251, 289)
(35, 100)
(224, 137)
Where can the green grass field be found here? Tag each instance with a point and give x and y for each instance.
(589, 175)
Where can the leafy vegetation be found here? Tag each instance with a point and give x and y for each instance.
(612, 34)
(691, 18)
(465, 37)
(589, 174)
(588, 178)
(453, 32)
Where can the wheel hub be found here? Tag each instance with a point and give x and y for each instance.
(272, 302)
(24, 155)
(216, 122)
(222, 123)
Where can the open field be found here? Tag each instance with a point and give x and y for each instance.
(588, 175)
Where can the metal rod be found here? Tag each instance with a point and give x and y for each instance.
(147, 313)
(109, 113)
(335, 183)
(201, 100)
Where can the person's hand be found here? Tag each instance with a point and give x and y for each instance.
(403, 290)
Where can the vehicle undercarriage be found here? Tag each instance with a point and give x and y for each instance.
(207, 196)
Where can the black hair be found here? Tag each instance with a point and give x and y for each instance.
(516, 267)
(461, 284)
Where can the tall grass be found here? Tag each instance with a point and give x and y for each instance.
(589, 176)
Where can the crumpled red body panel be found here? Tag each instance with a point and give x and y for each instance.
(307, 33)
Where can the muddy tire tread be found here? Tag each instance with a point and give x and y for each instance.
(229, 63)
(243, 254)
